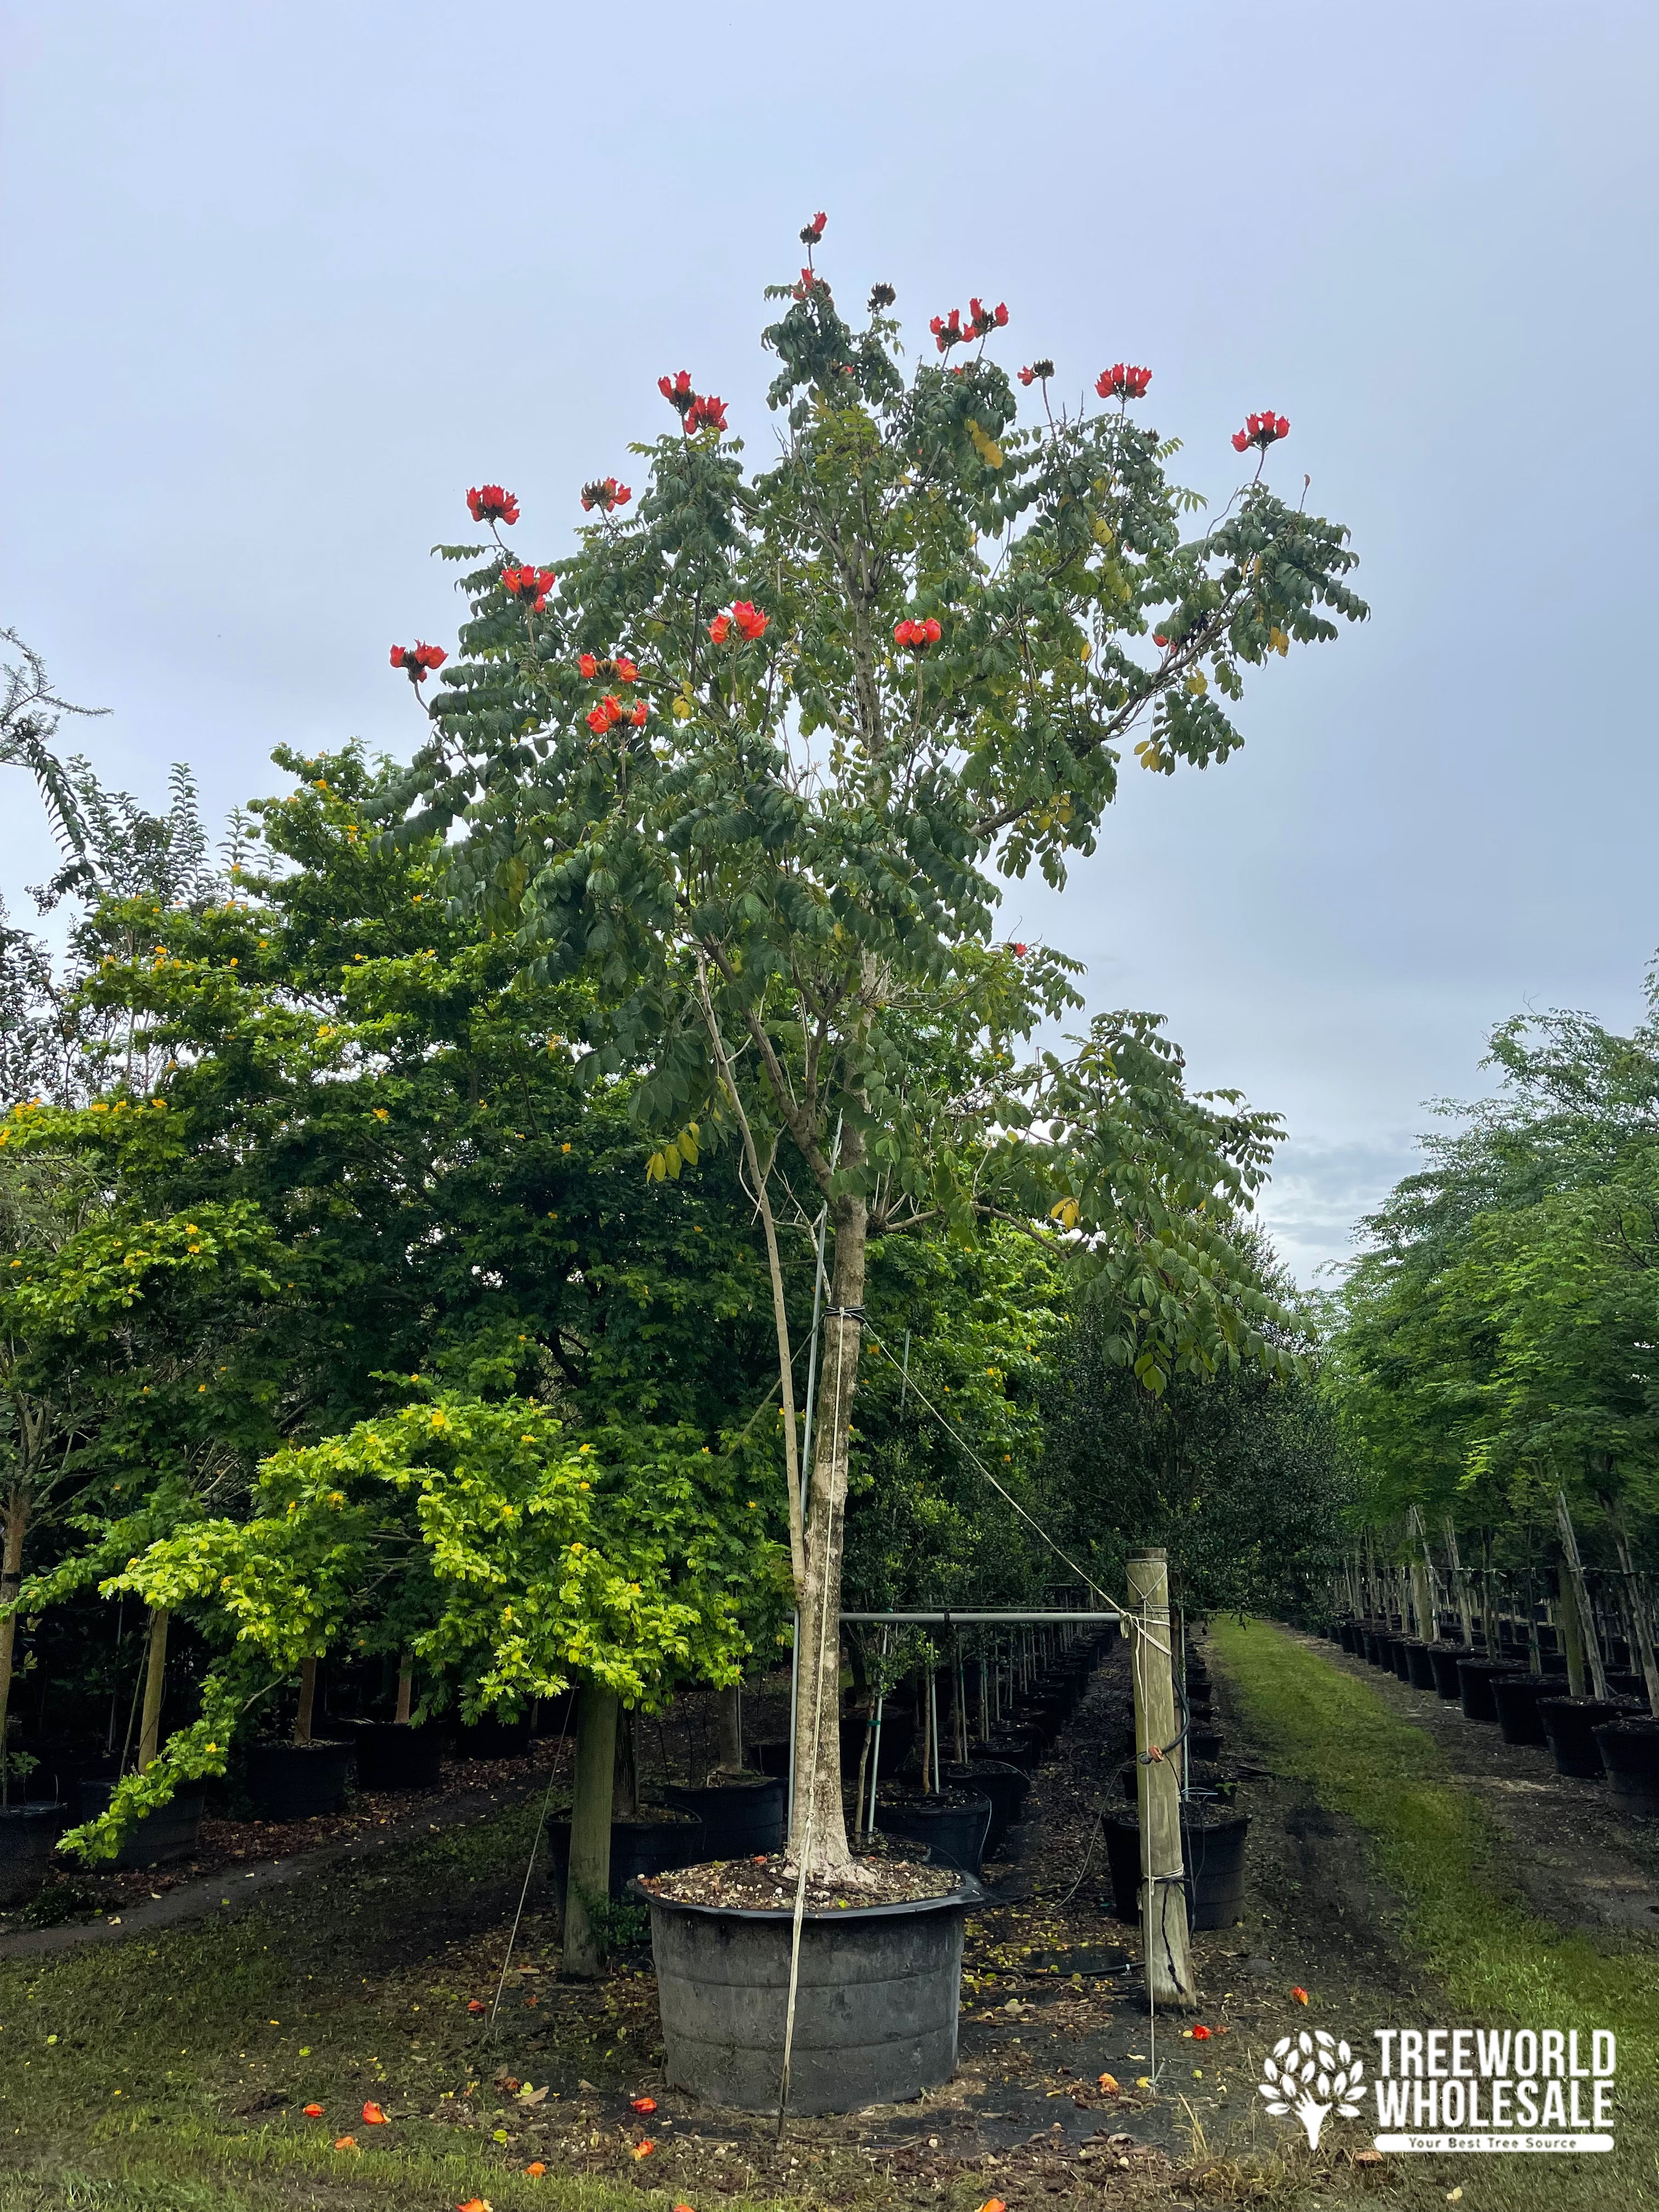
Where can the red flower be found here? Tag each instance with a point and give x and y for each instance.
(1200, 2033)
(604, 493)
(1160, 640)
(476, 2004)
(529, 586)
(918, 633)
(983, 320)
(637, 718)
(1043, 369)
(947, 334)
(588, 666)
(626, 671)
(649, 2105)
(1119, 381)
(705, 413)
(677, 391)
(1300, 1995)
(609, 710)
(750, 622)
(814, 230)
(374, 2116)
(1019, 951)
(1261, 430)
(313, 2112)
(417, 660)
(721, 629)
(489, 503)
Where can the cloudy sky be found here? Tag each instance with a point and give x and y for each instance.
(282, 282)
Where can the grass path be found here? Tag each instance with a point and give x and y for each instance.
(1441, 1853)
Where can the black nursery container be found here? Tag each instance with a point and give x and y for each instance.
(299, 1781)
(1419, 1666)
(492, 1739)
(168, 1833)
(739, 1818)
(1516, 1697)
(28, 1836)
(394, 1755)
(1212, 1854)
(1004, 1784)
(953, 1826)
(1443, 1661)
(1629, 1754)
(1569, 1726)
(1475, 1681)
(640, 1846)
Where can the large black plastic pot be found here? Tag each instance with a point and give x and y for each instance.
(1443, 1662)
(1419, 1666)
(1402, 1656)
(28, 1835)
(739, 1818)
(637, 1847)
(1629, 1754)
(1623, 1683)
(875, 2010)
(1203, 1743)
(1017, 1749)
(1006, 1786)
(954, 1827)
(1345, 1634)
(1213, 1853)
(898, 1736)
(1569, 1726)
(1475, 1681)
(1516, 1697)
(168, 1833)
(298, 1781)
(392, 1755)
(492, 1739)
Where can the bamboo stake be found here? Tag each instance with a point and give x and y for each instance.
(1581, 1592)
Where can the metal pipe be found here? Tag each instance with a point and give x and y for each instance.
(947, 1618)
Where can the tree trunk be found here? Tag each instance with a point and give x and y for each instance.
(156, 1676)
(405, 1685)
(816, 1826)
(11, 1576)
(307, 1700)
(1163, 1898)
(587, 1890)
(728, 1724)
(1573, 1574)
(1466, 1617)
(625, 1773)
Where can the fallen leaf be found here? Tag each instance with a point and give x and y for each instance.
(1143, 2081)
(373, 2115)
(644, 2150)
(993, 2204)
(588, 2085)
(1368, 2157)
(642, 2104)
(535, 2166)
(313, 2112)
(1455, 2196)
(1300, 1995)
(345, 2143)
(529, 2096)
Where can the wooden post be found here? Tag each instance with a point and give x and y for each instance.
(156, 1673)
(307, 1699)
(1573, 1573)
(1569, 1628)
(589, 1881)
(1163, 1899)
(405, 1685)
(1460, 1587)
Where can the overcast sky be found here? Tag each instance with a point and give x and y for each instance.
(282, 281)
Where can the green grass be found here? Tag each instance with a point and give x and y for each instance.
(166, 2074)
(1441, 1853)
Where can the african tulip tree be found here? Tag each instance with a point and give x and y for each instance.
(749, 755)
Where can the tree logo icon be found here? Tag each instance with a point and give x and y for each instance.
(1312, 2076)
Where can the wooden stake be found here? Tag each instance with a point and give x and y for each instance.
(589, 1881)
(405, 1685)
(1641, 1624)
(1575, 1573)
(1163, 1898)
(1460, 1587)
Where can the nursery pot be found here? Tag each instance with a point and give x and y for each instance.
(1516, 1697)
(1629, 1753)
(1003, 1784)
(1402, 1656)
(1375, 1639)
(1018, 1749)
(1345, 1634)
(1203, 1743)
(640, 1846)
(1570, 1725)
(168, 1834)
(1474, 1680)
(394, 1755)
(953, 1826)
(1212, 1853)
(1622, 1684)
(898, 1735)
(492, 1739)
(1443, 1660)
(1419, 1665)
(298, 1781)
(27, 1836)
(876, 2003)
(740, 1818)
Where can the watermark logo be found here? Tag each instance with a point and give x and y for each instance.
(1313, 2076)
(1453, 2089)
